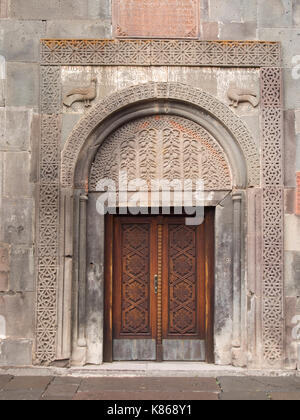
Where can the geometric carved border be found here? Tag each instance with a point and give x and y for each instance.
(56, 53)
(173, 91)
(137, 52)
(273, 215)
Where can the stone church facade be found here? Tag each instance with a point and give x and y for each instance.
(175, 89)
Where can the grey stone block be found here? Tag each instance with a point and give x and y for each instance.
(296, 13)
(290, 41)
(20, 39)
(18, 312)
(17, 221)
(4, 267)
(16, 175)
(298, 153)
(16, 353)
(99, 9)
(15, 132)
(292, 273)
(209, 31)
(289, 149)
(291, 90)
(238, 31)
(225, 11)
(22, 84)
(78, 29)
(68, 123)
(275, 13)
(297, 121)
(22, 270)
(2, 92)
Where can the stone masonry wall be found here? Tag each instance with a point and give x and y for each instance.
(22, 24)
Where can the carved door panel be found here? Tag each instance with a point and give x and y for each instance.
(161, 291)
(134, 300)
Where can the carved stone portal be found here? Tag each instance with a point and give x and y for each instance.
(162, 147)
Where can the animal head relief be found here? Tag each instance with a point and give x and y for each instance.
(83, 94)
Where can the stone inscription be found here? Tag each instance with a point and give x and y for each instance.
(156, 18)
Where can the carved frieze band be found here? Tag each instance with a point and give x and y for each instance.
(273, 214)
(160, 53)
(175, 91)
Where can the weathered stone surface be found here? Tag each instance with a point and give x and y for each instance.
(275, 13)
(289, 201)
(292, 233)
(57, 9)
(259, 384)
(291, 356)
(17, 221)
(20, 39)
(243, 396)
(16, 175)
(22, 395)
(16, 353)
(150, 396)
(285, 396)
(296, 13)
(4, 267)
(15, 132)
(78, 29)
(30, 383)
(22, 269)
(22, 84)
(2, 92)
(209, 31)
(292, 273)
(289, 149)
(18, 310)
(68, 123)
(4, 380)
(297, 121)
(298, 153)
(238, 31)
(4, 8)
(226, 11)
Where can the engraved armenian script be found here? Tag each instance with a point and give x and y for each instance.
(156, 18)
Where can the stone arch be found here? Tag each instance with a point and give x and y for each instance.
(159, 98)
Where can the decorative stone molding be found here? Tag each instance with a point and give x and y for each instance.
(56, 53)
(273, 215)
(154, 91)
(160, 53)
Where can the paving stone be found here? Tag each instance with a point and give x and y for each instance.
(22, 395)
(285, 396)
(148, 396)
(57, 390)
(4, 380)
(259, 384)
(29, 383)
(243, 396)
(149, 384)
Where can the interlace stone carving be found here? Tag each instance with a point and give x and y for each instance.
(155, 91)
(160, 53)
(189, 152)
(273, 215)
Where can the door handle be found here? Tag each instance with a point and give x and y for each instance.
(156, 284)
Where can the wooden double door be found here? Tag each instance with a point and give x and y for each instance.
(159, 289)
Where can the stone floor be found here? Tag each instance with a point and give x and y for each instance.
(158, 389)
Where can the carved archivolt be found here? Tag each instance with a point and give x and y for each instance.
(162, 147)
(173, 91)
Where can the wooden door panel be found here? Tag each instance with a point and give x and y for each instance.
(183, 280)
(133, 295)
